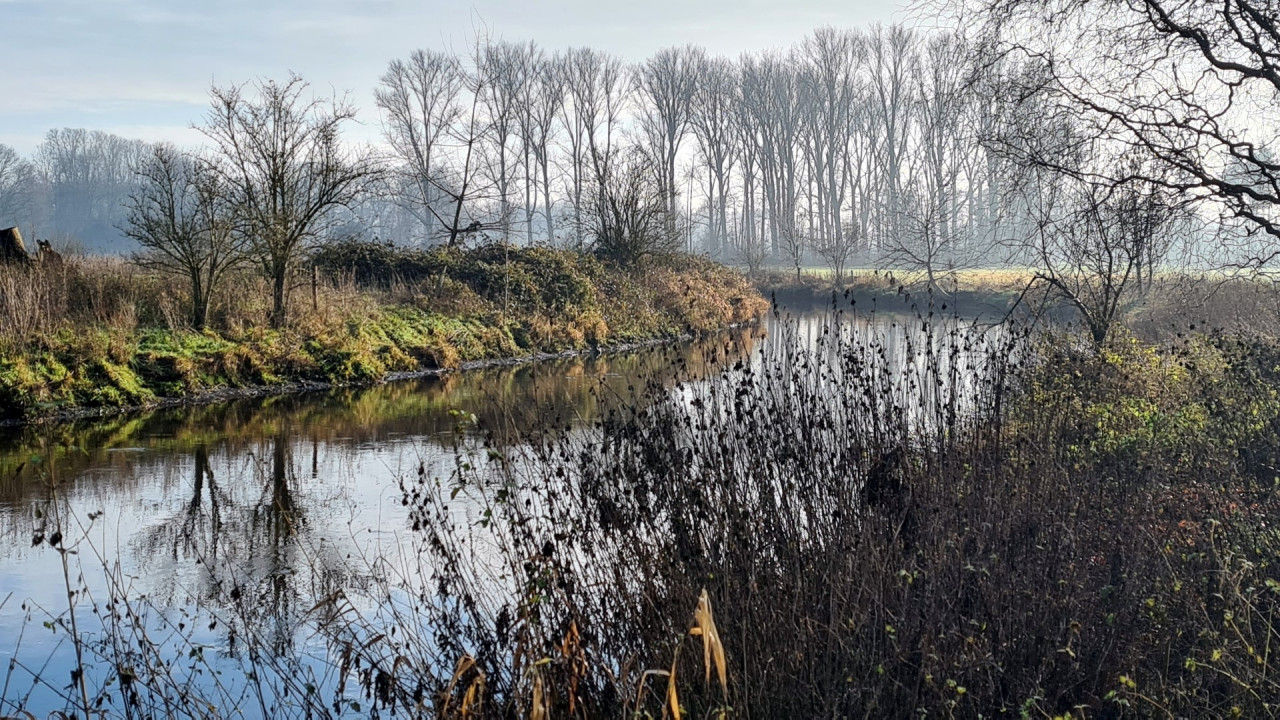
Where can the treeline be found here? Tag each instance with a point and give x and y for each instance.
(850, 141)
(890, 147)
(72, 189)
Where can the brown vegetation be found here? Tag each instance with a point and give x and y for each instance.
(95, 332)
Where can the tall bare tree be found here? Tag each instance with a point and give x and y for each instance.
(501, 71)
(829, 80)
(712, 118)
(280, 155)
(665, 84)
(598, 93)
(420, 103)
(770, 90)
(927, 213)
(892, 55)
(542, 99)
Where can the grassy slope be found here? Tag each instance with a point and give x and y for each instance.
(547, 301)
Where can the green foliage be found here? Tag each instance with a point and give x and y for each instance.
(1178, 410)
(380, 264)
(491, 302)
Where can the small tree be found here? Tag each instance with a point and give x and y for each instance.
(750, 251)
(835, 249)
(924, 241)
(286, 170)
(1095, 241)
(181, 215)
(630, 217)
(793, 245)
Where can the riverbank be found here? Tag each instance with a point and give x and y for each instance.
(1176, 303)
(230, 394)
(469, 309)
(1089, 532)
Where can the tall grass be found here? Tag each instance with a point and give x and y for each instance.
(986, 527)
(955, 520)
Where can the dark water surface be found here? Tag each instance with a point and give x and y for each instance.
(270, 504)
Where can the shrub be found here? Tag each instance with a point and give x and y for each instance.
(962, 531)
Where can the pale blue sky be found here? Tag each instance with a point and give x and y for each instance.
(142, 68)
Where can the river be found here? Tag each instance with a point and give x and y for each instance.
(259, 508)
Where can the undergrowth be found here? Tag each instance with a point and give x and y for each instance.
(952, 522)
(937, 518)
(73, 344)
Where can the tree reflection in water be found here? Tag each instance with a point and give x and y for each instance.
(212, 511)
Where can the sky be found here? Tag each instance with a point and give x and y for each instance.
(143, 68)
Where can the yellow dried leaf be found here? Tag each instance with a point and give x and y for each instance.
(673, 701)
(539, 710)
(704, 626)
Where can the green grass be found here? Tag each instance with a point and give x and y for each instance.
(566, 301)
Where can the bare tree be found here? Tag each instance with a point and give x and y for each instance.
(501, 71)
(1094, 239)
(794, 244)
(892, 55)
(283, 163)
(629, 213)
(18, 181)
(926, 214)
(711, 118)
(598, 94)
(772, 113)
(464, 186)
(182, 216)
(665, 84)
(837, 249)
(90, 173)
(542, 99)
(748, 249)
(1190, 85)
(940, 107)
(419, 99)
(829, 87)
(749, 232)
(923, 240)
(551, 83)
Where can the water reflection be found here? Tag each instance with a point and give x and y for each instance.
(261, 507)
(250, 481)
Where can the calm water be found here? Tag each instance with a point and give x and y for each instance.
(270, 504)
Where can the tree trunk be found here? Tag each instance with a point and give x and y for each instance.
(279, 278)
(546, 203)
(199, 304)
